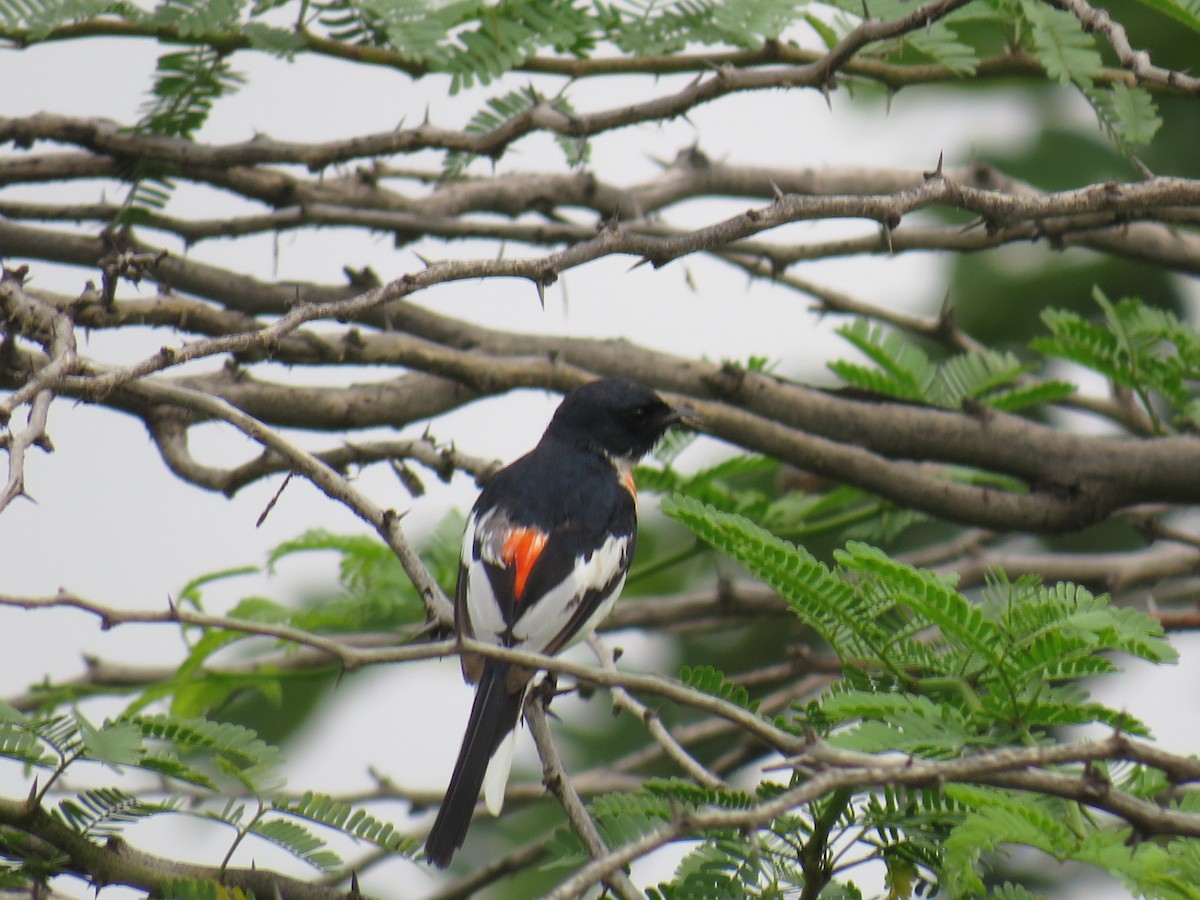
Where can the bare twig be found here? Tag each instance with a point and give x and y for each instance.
(675, 751)
(57, 333)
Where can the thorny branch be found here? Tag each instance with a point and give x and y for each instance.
(1136, 61)
(1074, 480)
(19, 311)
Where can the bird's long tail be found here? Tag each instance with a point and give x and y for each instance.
(493, 715)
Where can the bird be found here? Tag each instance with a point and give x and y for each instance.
(545, 552)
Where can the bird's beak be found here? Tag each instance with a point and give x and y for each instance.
(685, 417)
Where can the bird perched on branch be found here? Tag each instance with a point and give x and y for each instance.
(544, 555)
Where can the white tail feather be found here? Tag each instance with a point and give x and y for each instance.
(496, 779)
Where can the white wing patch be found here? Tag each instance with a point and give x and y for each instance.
(544, 620)
(540, 623)
(483, 610)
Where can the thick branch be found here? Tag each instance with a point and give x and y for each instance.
(1075, 480)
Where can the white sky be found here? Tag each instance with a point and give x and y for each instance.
(113, 525)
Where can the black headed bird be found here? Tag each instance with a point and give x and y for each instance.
(544, 555)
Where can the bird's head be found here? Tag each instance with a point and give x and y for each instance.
(618, 416)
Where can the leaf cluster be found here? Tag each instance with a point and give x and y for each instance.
(478, 42)
(220, 771)
(935, 674)
(757, 487)
(203, 768)
(904, 371)
(1141, 350)
(1144, 350)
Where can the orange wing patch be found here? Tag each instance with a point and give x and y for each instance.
(521, 550)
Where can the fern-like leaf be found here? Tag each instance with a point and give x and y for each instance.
(234, 750)
(186, 85)
(510, 33)
(197, 18)
(1129, 114)
(816, 594)
(201, 889)
(904, 371)
(712, 681)
(40, 17)
(1067, 52)
(506, 108)
(353, 821)
(103, 812)
(298, 841)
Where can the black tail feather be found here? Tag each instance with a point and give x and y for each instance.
(493, 715)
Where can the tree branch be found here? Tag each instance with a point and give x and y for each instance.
(1014, 768)
(555, 778)
(675, 751)
(1136, 61)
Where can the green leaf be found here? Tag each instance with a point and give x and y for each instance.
(970, 376)
(712, 681)
(1041, 393)
(904, 723)
(941, 45)
(350, 820)
(192, 695)
(812, 589)
(166, 765)
(9, 713)
(904, 370)
(1143, 348)
(505, 109)
(1129, 113)
(1060, 44)
(191, 594)
(196, 18)
(186, 85)
(103, 812)
(931, 596)
(937, 42)
(117, 743)
(997, 818)
(509, 34)
(276, 41)
(23, 745)
(201, 889)
(299, 841)
(748, 22)
(39, 19)
(234, 750)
